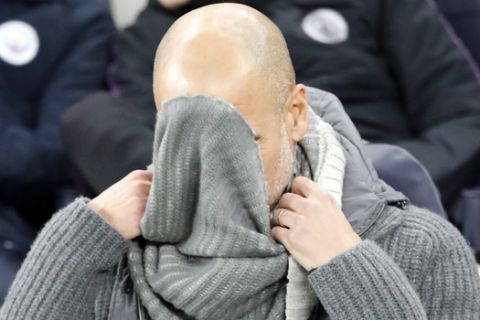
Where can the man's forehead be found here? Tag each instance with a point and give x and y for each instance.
(204, 61)
(241, 88)
(248, 104)
(235, 90)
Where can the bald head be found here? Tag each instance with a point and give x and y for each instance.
(235, 53)
(223, 50)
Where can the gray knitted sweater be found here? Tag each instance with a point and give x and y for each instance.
(411, 264)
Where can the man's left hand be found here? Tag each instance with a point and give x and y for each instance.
(311, 225)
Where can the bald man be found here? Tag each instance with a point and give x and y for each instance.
(375, 258)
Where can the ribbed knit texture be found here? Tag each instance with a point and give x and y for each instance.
(209, 252)
(65, 271)
(219, 260)
(414, 265)
(437, 279)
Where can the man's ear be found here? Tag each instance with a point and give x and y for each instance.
(297, 113)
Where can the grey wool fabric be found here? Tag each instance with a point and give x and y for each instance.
(411, 264)
(209, 251)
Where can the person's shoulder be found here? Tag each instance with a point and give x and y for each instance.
(86, 9)
(432, 235)
(88, 15)
(93, 4)
(424, 245)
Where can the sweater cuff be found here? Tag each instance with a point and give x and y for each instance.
(365, 283)
(82, 234)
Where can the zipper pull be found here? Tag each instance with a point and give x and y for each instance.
(401, 204)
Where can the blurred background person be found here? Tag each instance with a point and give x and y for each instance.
(52, 54)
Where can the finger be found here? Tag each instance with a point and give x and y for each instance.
(283, 218)
(148, 175)
(304, 187)
(140, 175)
(140, 188)
(144, 187)
(290, 201)
(281, 235)
(139, 204)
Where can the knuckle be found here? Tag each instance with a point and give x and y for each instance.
(311, 205)
(138, 174)
(300, 219)
(332, 200)
(293, 236)
(298, 181)
(139, 184)
(287, 197)
(135, 173)
(276, 234)
(139, 188)
(326, 196)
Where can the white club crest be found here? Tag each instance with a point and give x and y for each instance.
(326, 26)
(19, 42)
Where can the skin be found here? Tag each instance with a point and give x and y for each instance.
(173, 4)
(194, 58)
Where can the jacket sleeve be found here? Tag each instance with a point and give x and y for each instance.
(366, 283)
(58, 278)
(34, 156)
(439, 89)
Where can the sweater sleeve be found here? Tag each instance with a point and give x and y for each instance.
(451, 288)
(56, 281)
(365, 283)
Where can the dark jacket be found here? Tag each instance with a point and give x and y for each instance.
(73, 38)
(464, 17)
(400, 76)
(398, 72)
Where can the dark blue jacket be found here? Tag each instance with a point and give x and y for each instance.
(464, 16)
(74, 38)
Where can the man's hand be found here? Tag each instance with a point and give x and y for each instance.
(311, 225)
(123, 204)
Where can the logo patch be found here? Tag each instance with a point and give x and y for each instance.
(19, 42)
(326, 26)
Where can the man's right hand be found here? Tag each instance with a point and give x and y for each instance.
(123, 204)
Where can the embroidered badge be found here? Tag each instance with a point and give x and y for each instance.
(326, 26)
(19, 42)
